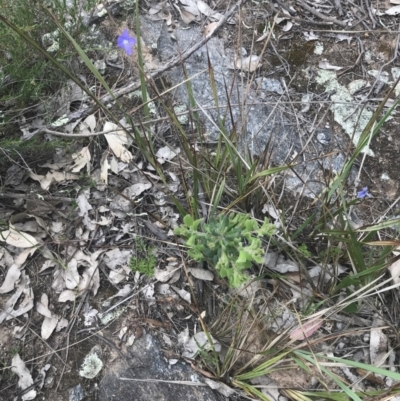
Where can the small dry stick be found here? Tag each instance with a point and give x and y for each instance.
(312, 10)
(173, 63)
(338, 7)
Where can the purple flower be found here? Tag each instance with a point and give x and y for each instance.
(126, 42)
(363, 193)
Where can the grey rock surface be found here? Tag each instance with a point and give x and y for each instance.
(76, 393)
(258, 112)
(145, 362)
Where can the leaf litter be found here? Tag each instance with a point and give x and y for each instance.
(75, 269)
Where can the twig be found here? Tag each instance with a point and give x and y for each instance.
(312, 10)
(285, 7)
(361, 52)
(368, 7)
(338, 7)
(151, 76)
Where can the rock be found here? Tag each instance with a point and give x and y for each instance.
(145, 362)
(76, 393)
(266, 128)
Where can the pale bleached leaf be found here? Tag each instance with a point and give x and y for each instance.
(262, 37)
(56, 227)
(200, 342)
(119, 274)
(118, 141)
(16, 238)
(12, 277)
(48, 326)
(307, 329)
(90, 317)
(168, 19)
(154, 10)
(183, 336)
(165, 275)
(218, 16)
(187, 16)
(325, 65)
(67, 295)
(210, 28)
(62, 324)
(137, 189)
(250, 63)
(71, 274)
(105, 166)
(288, 26)
(394, 270)
(395, 10)
(166, 153)
(25, 378)
(201, 274)
(308, 36)
(23, 289)
(82, 159)
(88, 125)
(43, 306)
(378, 343)
(104, 221)
(189, 3)
(204, 8)
(185, 295)
(50, 177)
(222, 388)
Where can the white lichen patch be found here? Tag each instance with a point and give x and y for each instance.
(353, 120)
(151, 105)
(92, 364)
(356, 85)
(395, 75)
(110, 316)
(319, 48)
(181, 108)
(51, 40)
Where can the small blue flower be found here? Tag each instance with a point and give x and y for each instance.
(126, 42)
(363, 193)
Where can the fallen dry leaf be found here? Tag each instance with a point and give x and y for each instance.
(48, 326)
(210, 28)
(49, 178)
(395, 10)
(166, 153)
(250, 63)
(201, 274)
(394, 270)
(118, 141)
(187, 17)
(306, 330)
(204, 8)
(378, 343)
(82, 159)
(42, 306)
(288, 26)
(16, 238)
(325, 65)
(12, 277)
(23, 288)
(25, 378)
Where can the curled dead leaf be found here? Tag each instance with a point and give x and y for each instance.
(306, 330)
(325, 65)
(209, 29)
(249, 64)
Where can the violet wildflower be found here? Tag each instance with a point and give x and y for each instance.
(363, 193)
(126, 42)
